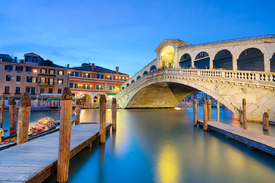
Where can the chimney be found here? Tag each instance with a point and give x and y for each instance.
(93, 67)
(68, 65)
(117, 69)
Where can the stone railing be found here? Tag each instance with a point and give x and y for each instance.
(268, 77)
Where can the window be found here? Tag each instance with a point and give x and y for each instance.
(33, 79)
(102, 76)
(28, 89)
(28, 59)
(19, 68)
(110, 77)
(8, 67)
(121, 78)
(114, 77)
(97, 76)
(50, 81)
(76, 74)
(84, 75)
(50, 90)
(71, 85)
(60, 81)
(35, 59)
(32, 90)
(7, 89)
(28, 69)
(17, 90)
(76, 85)
(99, 87)
(42, 90)
(43, 71)
(28, 79)
(8, 77)
(125, 79)
(83, 86)
(60, 72)
(112, 87)
(72, 74)
(18, 78)
(88, 86)
(59, 91)
(89, 75)
(42, 80)
(51, 71)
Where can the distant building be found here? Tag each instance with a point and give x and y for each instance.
(43, 79)
(89, 81)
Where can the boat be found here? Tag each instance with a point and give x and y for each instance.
(9, 141)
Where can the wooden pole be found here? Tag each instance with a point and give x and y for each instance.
(12, 110)
(24, 118)
(102, 121)
(2, 110)
(265, 121)
(209, 110)
(241, 115)
(244, 114)
(218, 110)
(114, 111)
(77, 112)
(64, 136)
(205, 122)
(195, 117)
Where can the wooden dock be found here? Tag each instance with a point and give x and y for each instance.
(36, 160)
(252, 139)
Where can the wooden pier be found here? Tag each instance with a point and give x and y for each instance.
(251, 139)
(36, 160)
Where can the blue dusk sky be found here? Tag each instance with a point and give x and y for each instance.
(122, 33)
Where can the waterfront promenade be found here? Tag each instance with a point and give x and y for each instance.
(35, 160)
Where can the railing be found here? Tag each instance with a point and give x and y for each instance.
(227, 74)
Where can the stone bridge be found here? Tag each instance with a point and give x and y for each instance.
(166, 88)
(228, 70)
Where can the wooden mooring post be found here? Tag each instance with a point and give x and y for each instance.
(205, 122)
(114, 111)
(13, 116)
(209, 110)
(64, 136)
(218, 110)
(77, 112)
(102, 117)
(195, 117)
(24, 118)
(244, 113)
(2, 110)
(265, 121)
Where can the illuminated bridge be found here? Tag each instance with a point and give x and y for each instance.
(227, 70)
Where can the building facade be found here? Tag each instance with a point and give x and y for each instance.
(89, 81)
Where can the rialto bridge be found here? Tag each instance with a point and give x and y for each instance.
(227, 70)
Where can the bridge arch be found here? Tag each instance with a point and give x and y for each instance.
(138, 77)
(185, 61)
(153, 67)
(251, 59)
(202, 60)
(223, 59)
(145, 72)
(132, 81)
(167, 56)
(272, 63)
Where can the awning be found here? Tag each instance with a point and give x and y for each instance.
(111, 93)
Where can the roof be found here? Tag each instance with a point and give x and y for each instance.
(49, 63)
(231, 40)
(88, 67)
(167, 41)
(6, 57)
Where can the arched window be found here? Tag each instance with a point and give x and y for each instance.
(145, 72)
(272, 63)
(153, 67)
(132, 81)
(223, 59)
(138, 77)
(127, 84)
(202, 61)
(251, 59)
(185, 61)
(122, 88)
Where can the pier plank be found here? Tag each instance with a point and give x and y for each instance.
(256, 140)
(35, 160)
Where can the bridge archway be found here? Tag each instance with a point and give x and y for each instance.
(132, 81)
(138, 77)
(185, 61)
(167, 56)
(251, 59)
(223, 59)
(96, 100)
(202, 60)
(272, 63)
(153, 67)
(88, 100)
(145, 72)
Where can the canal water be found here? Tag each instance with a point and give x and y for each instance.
(163, 146)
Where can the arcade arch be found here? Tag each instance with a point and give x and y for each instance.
(167, 56)
(202, 60)
(145, 72)
(153, 67)
(185, 61)
(251, 59)
(272, 63)
(223, 59)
